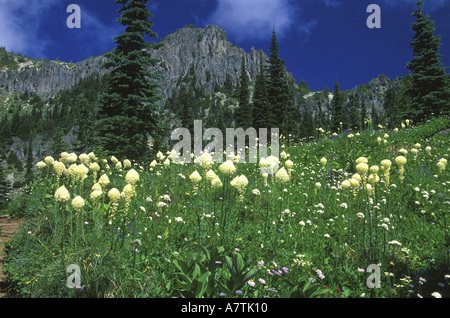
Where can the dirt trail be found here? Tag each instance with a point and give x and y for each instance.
(8, 226)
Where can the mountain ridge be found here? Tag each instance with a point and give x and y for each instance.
(215, 59)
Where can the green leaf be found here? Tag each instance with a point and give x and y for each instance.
(249, 275)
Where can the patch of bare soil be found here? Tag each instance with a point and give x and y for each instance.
(8, 227)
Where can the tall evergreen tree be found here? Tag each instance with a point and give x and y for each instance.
(261, 109)
(129, 111)
(430, 93)
(85, 122)
(277, 87)
(390, 107)
(353, 115)
(291, 117)
(308, 127)
(244, 111)
(337, 108)
(185, 101)
(58, 143)
(375, 117)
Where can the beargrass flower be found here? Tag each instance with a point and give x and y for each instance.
(114, 195)
(239, 182)
(323, 161)
(84, 158)
(362, 160)
(346, 184)
(81, 172)
(210, 175)
(94, 167)
(132, 177)
(442, 164)
(49, 160)
(71, 158)
(374, 169)
(62, 194)
(227, 167)
(369, 188)
(127, 163)
(129, 191)
(78, 203)
(41, 165)
(195, 177)
(401, 161)
(282, 175)
(59, 169)
(96, 194)
(206, 160)
(362, 168)
(216, 183)
(289, 164)
(104, 180)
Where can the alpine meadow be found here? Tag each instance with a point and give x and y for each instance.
(275, 190)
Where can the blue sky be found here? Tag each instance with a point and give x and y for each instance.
(320, 40)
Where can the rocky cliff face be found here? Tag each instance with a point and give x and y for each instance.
(46, 78)
(207, 50)
(209, 53)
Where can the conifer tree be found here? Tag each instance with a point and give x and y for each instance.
(291, 117)
(375, 117)
(391, 108)
(277, 87)
(430, 92)
(261, 111)
(129, 111)
(308, 126)
(353, 115)
(185, 101)
(58, 143)
(303, 88)
(244, 112)
(338, 110)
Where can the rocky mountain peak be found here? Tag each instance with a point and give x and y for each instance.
(206, 50)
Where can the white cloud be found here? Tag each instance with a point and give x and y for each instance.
(255, 19)
(21, 22)
(19, 25)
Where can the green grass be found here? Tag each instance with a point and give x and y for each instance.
(177, 238)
